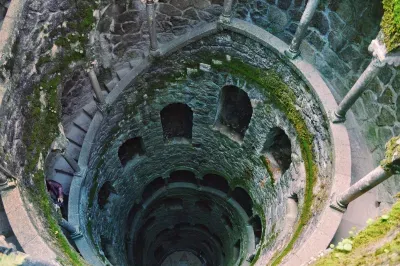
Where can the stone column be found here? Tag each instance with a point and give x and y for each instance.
(96, 87)
(227, 12)
(74, 165)
(151, 20)
(389, 166)
(358, 88)
(381, 57)
(74, 233)
(371, 180)
(294, 49)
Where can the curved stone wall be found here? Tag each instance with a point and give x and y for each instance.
(151, 92)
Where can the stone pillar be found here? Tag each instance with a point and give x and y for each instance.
(389, 166)
(294, 49)
(227, 12)
(74, 165)
(381, 57)
(96, 87)
(357, 90)
(371, 180)
(74, 233)
(151, 20)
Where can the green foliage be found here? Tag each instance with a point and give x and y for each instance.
(391, 162)
(391, 23)
(369, 246)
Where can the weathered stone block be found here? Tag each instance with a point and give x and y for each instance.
(385, 118)
(169, 10)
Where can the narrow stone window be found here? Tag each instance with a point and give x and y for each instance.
(104, 193)
(277, 152)
(152, 187)
(131, 149)
(177, 122)
(244, 200)
(236, 251)
(257, 228)
(215, 181)
(182, 176)
(234, 112)
(227, 222)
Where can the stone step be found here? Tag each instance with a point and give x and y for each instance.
(75, 135)
(62, 165)
(73, 150)
(122, 72)
(111, 84)
(90, 109)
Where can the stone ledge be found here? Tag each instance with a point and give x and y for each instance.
(29, 239)
(8, 33)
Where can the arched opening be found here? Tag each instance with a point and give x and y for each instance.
(257, 228)
(177, 121)
(152, 187)
(244, 200)
(204, 205)
(234, 112)
(182, 176)
(227, 222)
(104, 193)
(277, 152)
(215, 181)
(131, 149)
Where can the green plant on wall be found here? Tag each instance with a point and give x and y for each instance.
(391, 24)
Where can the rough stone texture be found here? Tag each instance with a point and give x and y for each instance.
(336, 45)
(144, 100)
(123, 33)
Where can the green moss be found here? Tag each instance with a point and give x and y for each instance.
(266, 163)
(391, 24)
(41, 124)
(367, 246)
(284, 98)
(391, 163)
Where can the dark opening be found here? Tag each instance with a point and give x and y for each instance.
(104, 193)
(235, 110)
(182, 176)
(204, 205)
(257, 228)
(152, 187)
(131, 149)
(244, 200)
(173, 203)
(226, 221)
(236, 250)
(159, 252)
(215, 181)
(278, 150)
(177, 121)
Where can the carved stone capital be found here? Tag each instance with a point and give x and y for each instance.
(379, 51)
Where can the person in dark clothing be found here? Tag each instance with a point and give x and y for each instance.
(56, 191)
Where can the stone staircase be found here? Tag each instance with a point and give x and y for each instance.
(76, 131)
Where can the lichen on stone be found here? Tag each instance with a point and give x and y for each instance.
(391, 163)
(391, 24)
